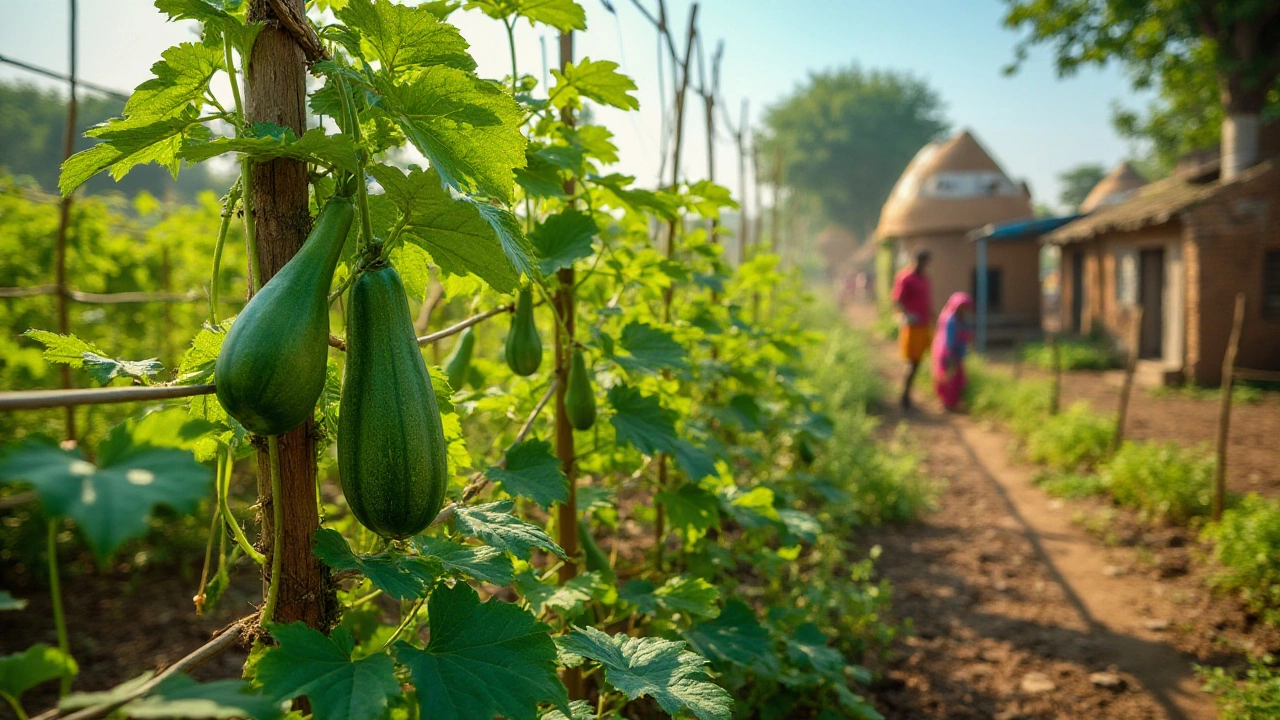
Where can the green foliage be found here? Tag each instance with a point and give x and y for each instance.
(181, 697)
(1163, 481)
(1256, 696)
(37, 664)
(532, 471)
(1072, 440)
(845, 136)
(1072, 485)
(1245, 544)
(1072, 355)
(306, 662)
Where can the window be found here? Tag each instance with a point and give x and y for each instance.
(1271, 284)
(995, 292)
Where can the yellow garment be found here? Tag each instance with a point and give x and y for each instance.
(914, 341)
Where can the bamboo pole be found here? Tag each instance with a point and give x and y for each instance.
(1055, 388)
(1224, 411)
(1130, 367)
(64, 221)
(73, 397)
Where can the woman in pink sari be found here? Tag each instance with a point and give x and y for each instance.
(950, 345)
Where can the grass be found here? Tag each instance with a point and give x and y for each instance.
(1070, 485)
(1075, 440)
(1072, 354)
(1241, 394)
(1256, 696)
(1247, 544)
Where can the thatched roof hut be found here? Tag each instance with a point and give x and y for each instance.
(1120, 185)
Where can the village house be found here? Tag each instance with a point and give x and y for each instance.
(1180, 248)
(948, 190)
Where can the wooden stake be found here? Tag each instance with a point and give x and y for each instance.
(1224, 412)
(276, 91)
(1055, 392)
(1130, 367)
(64, 221)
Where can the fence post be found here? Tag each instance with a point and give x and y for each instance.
(1224, 413)
(1055, 387)
(64, 221)
(1131, 366)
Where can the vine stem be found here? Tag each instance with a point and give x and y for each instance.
(17, 706)
(55, 595)
(228, 209)
(277, 530)
(224, 508)
(362, 187)
(208, 550)
(250, 224)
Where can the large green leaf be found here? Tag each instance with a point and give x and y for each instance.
(532, 471)
(179, 696)
(113, 503)
(494, 524)
(736, 637)
(662, 669)
(482, 562)
(401, 35)
(467, 127)
(690, 596)
(460, 236)
(400, 576)
(650, 349)
(642, 421)
(568, 598)
(72, 351)
(691, 509)
(307, 663)
(597, 80)
(181, 78)
(563, 239)
(483, 659)
(268, 141)
(563, 15)
(37, 664)
(9, 602)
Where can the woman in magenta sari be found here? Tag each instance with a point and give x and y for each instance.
(949, 347)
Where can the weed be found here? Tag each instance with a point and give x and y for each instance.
(1245, 543)
(1241, 394)
(1073, 440)
(1256, 696)
(1072, 354)
(1163, 481)
(1070, 485)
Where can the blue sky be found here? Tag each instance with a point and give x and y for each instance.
(1036, 124)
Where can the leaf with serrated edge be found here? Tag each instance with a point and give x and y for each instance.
(483, 659)
(642, 421)
(403, 577)
(651, 349)
(563, 239)
(484, 563)
(597, 80)
(494, 524)
(736, 637)
(400, 35)
(307, 663)
(532, 471)
(179, 696)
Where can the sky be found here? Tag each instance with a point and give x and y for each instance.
(1034, 123)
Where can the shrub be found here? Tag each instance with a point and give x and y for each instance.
(1256, 696)
(1164, 481)
(998, 396)
(1247, 544)
(1073, 440)
(1072, 354)
(882, 479)
(1070, 485)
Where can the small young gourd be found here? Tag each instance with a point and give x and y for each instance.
(579, 396)
(458, 366)
(271, 368)
(524, 345)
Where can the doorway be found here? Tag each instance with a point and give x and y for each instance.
(1077, 291)
(1151, 295)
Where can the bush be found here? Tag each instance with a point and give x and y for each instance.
(883, 480)
(1247, 544)
(1164, 481)
(1074, 440)
(1072, 354)
(1256, 696)
(1070, 485)
(998, 396)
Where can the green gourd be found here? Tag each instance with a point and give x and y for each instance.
(271, 368)
(597, 561)
(392, 454)
(459, 364)
(579, 396)
(524, 345)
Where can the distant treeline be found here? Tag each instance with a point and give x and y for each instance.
(32, 123)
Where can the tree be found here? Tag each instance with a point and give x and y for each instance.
(1077, 182)
(845, 136)
(1238, 41)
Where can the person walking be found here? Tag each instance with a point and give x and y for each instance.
(949, 348)
(913, 296)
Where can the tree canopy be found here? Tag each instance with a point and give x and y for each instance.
(1077, 182)
(845, 136)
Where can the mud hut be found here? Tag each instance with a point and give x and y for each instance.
(1121, 184)
(948, 190)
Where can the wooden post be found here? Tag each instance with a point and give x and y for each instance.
(567, 514)
(1224, 412)
(276, 91)
(1130, 367)
(1055, 391)
(64, 221)
(744, 225)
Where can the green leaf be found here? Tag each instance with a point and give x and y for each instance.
(484, 563)
(168, 428)
(707, 199)
(696, 462)
(307, 663)
(568, 598)
(800, 523)
(650, 349)
(112, 503)
(533, 471)
(37, 664)
(198, 361)
(179, 696)
(129, 143)
(457, 234)
(563, 239)
(402, 577)
(578, 710)
(467, 127)
(483, 659)
(662, 669)
(691, 508)
(692, 597)
(660, 203)
(563, 15)
(540, 178)
(414, 265)
(494, 524)
(104, 369)
(808, 648)
(642, 421)
(65, 349)
(753, 509)
(400, 35)
(9, 602)
(181, 79)
(268, 141)
(736, 637)
(597, 80)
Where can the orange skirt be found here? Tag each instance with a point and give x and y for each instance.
(914, 341)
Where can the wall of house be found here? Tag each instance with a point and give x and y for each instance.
(952, 270)
(1230, 236)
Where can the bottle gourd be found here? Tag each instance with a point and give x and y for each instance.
(579, 397)
(392, 454)
(271, 368)
(459, 363)
(524, 345)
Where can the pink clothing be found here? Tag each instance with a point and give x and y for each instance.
(912, 291)
(948, 351)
